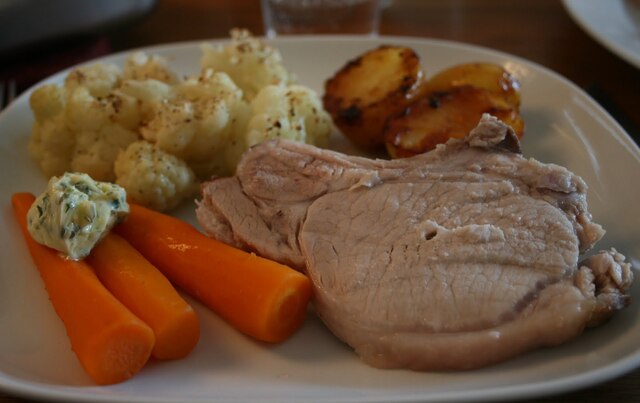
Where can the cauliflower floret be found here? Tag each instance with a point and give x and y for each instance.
(85, 112)
(153, 177)
(47, 102)
(122, 109)
(205, 115)
(292, 112)
(140, 66)
(250, 63)
(51, 145)
(145, 128)
(98, 78)
(103, 127)
(95, 151)
(149, 93)
(75, 130)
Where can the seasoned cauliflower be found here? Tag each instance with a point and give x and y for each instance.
(154, 132)
(96, 151)
(47, 101)
(148, 91)
(140, 66)
(99, 78)
(149, 94)
(294, 112)
(250, 63)
(196, 125)
(154, 178)
(51, 143)
(103, 127)
(86, 112)
(82, 125)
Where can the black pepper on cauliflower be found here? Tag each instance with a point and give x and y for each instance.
(156, 133)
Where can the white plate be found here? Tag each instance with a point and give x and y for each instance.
(613, 23)
(563, 125)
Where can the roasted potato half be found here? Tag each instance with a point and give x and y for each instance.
(489, 76)
(440, 116)
(367, 90)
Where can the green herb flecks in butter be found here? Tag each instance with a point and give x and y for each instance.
(75, 213)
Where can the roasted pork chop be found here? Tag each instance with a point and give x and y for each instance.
(454, 259)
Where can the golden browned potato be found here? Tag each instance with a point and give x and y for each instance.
(367, 90)
(489, 76)
(436, 118)
(456, 99)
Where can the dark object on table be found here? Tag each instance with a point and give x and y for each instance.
(40, 38)
(29, 22)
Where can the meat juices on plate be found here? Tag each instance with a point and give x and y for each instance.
(454, 259)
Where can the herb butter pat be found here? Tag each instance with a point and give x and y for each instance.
(75, 213)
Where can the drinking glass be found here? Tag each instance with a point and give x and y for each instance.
(285, 17)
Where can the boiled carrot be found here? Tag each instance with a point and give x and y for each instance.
(259, 297)
(111, 343)
(143, 289)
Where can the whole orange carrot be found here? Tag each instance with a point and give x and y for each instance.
(110, 342)
(259, 297)
(143, 289)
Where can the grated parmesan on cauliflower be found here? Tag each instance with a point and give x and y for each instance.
(251, 63)
(154, 178)
(154, 133)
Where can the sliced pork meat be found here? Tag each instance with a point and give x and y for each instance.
(454, 259)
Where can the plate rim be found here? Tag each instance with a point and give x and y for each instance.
(574, 8)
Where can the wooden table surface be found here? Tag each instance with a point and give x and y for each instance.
(540, 31)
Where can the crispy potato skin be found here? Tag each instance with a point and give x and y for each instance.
(489, 76)
(371, 88)
(436, 118)
(455, 100)
(382, 98)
